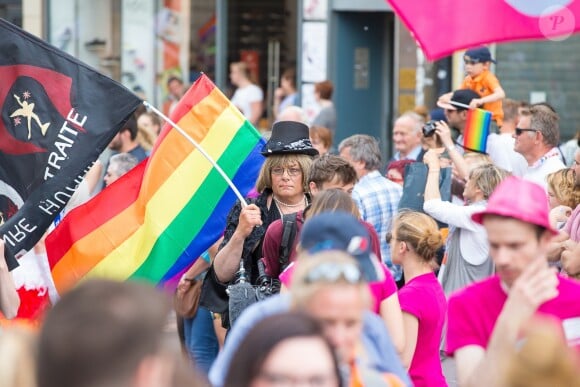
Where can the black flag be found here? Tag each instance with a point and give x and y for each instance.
(57, 116)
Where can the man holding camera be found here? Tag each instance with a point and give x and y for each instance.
(456, 114)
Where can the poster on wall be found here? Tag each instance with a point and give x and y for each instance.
(314, 47)
(309, 103)
(173, 45)
(137, 47)
(315, 9)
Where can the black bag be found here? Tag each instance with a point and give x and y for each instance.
(242, 294)
(415, 181)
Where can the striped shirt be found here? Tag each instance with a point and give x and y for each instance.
(377, 199)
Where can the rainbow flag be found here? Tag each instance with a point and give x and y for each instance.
(157, 219)
(476, 130)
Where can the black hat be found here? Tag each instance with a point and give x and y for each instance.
(289, 137)
(460, 100)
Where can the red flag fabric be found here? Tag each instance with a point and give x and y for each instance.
(444, 26)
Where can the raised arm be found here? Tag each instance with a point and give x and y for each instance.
(227, 260)
(475, 367)
(442, 129)
(9, 299)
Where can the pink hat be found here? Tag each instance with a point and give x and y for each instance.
(519, 199)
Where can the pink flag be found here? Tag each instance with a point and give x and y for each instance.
(444, 26)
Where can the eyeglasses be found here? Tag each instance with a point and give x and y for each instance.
(279, 171)
(519, 131)
(332, 272)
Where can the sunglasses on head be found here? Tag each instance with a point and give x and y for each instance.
(332, 272)
(519, 131)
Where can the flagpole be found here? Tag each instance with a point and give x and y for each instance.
(201, 150)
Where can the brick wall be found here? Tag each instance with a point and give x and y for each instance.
(544, 66)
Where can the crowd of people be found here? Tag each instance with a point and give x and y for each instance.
(328, 277)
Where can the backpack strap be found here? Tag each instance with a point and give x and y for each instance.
(288, 236)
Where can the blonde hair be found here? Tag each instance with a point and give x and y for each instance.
(302, 290)
(145, 138)
(543, 360)
(244, 69)
(265, 178)
(18, 354)
(475, 159)
(486, 177)
(563, 184)
(332, 200)
(420, 231)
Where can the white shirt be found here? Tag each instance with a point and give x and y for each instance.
(549, 163)
(495, 149)
(245, 96)
(473, 244)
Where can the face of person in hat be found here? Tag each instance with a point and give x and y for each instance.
(287, 177)
(514, 244)
(518, 227)
(288, 159)
(456, 115)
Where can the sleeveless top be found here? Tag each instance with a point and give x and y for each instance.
(458, 272)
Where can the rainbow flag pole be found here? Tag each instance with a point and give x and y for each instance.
(157, 219)
(200, 149)
(477, 128)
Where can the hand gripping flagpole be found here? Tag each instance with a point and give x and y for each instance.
(201, 150)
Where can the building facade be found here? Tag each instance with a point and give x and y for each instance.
(361, 46)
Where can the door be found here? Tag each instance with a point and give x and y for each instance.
(362, 74)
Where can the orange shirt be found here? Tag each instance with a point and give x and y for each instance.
(484, 84)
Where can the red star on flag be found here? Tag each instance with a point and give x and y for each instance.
(17, 121)
(26, 94)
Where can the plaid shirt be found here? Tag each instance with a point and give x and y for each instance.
(377, 199)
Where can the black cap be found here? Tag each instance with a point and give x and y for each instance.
(460, 99)
(479, 54)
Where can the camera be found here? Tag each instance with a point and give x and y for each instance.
(429, 128)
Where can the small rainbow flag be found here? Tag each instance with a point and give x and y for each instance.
(476, 130)
(157, 219)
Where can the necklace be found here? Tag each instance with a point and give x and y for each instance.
(289, 205)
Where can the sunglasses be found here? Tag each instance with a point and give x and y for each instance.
(332, 272)
(519, 131)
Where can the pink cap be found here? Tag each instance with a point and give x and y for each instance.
(519, 199)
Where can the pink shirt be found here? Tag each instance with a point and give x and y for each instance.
(424, 298)
(379, 290)
(474, 310)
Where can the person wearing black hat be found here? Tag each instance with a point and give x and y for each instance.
(481, 80)
(456, 113)
(283, 187)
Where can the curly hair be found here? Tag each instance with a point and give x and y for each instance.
(563, 184)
